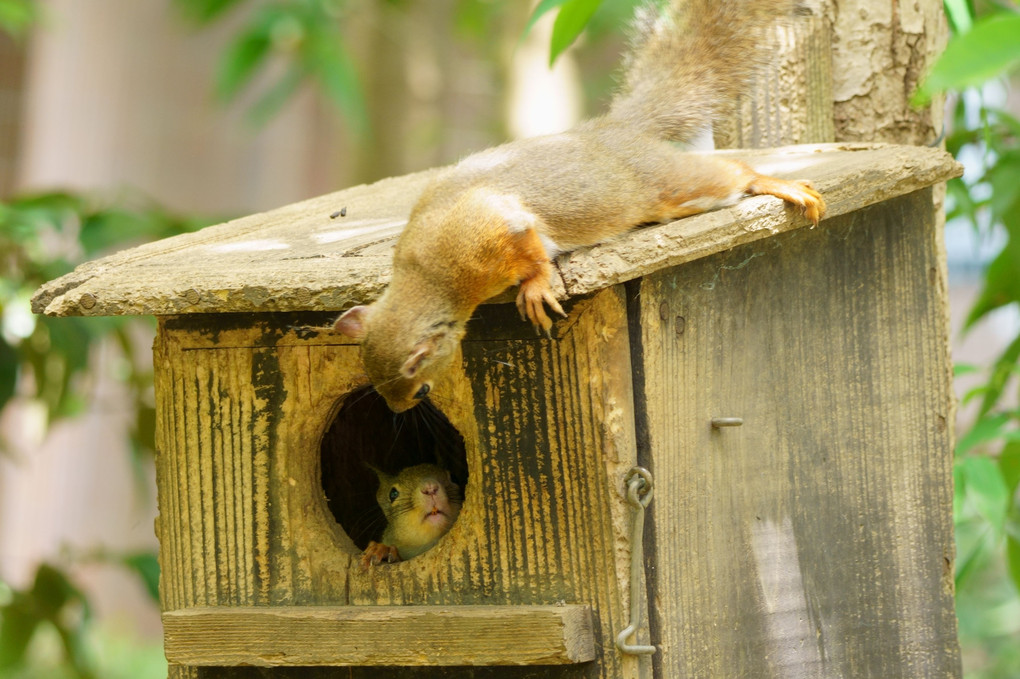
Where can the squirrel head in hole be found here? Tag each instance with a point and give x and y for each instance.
(420, 504)
(402, 351)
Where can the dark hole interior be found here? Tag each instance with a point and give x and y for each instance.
(364, 431)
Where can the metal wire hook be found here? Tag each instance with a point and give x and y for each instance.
(639, 493)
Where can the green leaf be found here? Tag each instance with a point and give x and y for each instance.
(146, 566)
(1002, 284)
(571, 20)
(989, 49)
(974, 556)
(1009, 466)
(70, 340)
(959, 491)
(9, 362)
(986, 489)
(476, 21)
(1004, 176)
(335, 70)
(1013, 559)
(543, 8)
(17, 16)
(964, 369)
(206, 11)
(1007, 120)
(143, 434)
(238, 64)
(985, 429)
(278, 95)
(963, 203)
(1005, 367)
(18, 622)
(979, 390)
(959, 15)
(52, 591)
(110, 230)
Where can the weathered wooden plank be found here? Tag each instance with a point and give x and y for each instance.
(380, 635)
(296, 258)
(816, 539)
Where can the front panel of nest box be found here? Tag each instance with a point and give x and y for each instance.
(266, 432)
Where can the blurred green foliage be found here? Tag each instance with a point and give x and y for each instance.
(986, 509)
(307, 38)
(16, 16)
(42, 237)
(46, 360)
(46, 632)
(53, 601)
(304, 36)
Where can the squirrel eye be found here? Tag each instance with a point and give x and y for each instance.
(394, 493)
(423, 391)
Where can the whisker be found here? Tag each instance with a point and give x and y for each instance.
(368, 525)
(359, 394)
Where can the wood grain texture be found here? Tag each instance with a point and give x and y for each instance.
(379, 635)
(816, 539)
(244, 400)
(789, 101)
(297, 258)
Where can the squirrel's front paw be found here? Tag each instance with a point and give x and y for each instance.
(534, 294)
(376, 553)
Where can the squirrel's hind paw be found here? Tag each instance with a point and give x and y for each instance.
(800, 192)
(534, 294)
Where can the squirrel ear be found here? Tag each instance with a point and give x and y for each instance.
(421, 352)
(381, 475)
(352, 322)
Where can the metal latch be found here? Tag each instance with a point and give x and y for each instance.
(639, 494)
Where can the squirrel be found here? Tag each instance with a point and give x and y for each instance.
(420, 504)
(497, 218)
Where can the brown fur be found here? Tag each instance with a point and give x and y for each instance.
(484, 224)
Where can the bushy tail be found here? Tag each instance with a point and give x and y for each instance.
(689, 61)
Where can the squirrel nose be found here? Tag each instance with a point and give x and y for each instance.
(430, 489)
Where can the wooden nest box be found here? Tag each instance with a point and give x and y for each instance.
(814, 539)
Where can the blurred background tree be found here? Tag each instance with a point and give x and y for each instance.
(227, 107)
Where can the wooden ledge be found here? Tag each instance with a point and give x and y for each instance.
(379, 635)
(301, 258)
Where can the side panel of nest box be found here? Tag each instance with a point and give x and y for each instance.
(816, 539)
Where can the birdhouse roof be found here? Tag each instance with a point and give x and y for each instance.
(334, 251)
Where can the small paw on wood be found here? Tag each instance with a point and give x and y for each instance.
(800, 192)
(534, 294)
(376, 553)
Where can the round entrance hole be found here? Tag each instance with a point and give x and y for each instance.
(366, 432)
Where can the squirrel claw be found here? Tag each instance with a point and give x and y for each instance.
(534, 295)
(811, 203)
(376, 553)
(800, 192)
